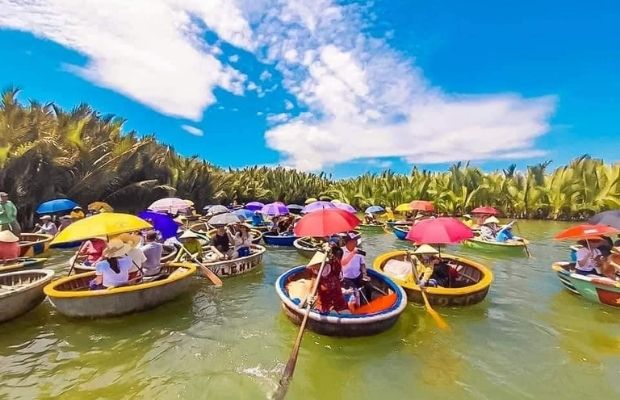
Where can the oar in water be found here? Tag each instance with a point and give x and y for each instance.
(292, 361)
(203, 269)
(524, 241)
(441, 323)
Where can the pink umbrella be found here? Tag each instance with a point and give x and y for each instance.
(346, 207)
(274, 209)
(443, 230)
(318, 205)
(170, 204)
(485, 211)
(326, 222)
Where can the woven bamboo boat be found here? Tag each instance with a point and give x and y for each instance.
(32, 244)
(307, 246)
(22, 291)
(71, 295)
(279, 240)
(597, 289)
(512, 247)
(401, 232)
(168, 255)
(237, 266)
(372, 228)
(22, 263)
(379, 314)
(471, 286)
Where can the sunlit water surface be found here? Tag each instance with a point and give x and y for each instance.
(530, 339)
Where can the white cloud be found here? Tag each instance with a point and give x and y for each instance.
(192, 130)
(361, 98)
(288, 105)
(151, 51)
(234, 58)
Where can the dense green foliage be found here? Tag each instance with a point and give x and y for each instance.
(46, 152)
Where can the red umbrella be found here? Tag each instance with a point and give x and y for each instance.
(439, 231)
(485, 210)
(586, 231)
(422, 205)
(326, 222)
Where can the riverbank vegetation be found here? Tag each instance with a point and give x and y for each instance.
(47, 152)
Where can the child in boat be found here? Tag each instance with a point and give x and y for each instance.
(113, 270)
(9, 246)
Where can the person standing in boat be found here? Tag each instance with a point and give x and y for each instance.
(48, 227)
(152, 251)
(9, 246)
(8, 215)
(329, 294)
(113, 270)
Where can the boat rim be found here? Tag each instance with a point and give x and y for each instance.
(51, 290)
(261, 251)
(49, 274)
(346, 319)
(500, 244)
(487, 275)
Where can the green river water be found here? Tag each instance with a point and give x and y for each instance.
(530, 339)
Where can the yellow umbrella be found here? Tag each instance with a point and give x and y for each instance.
(99, 205)
(106, 224)
(310, 200)
(403, 207)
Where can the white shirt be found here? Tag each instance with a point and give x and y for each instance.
(353, 268)
(111, 278)
(48, 228)
(585, 254)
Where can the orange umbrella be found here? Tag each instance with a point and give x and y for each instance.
(422, 205)
(586, 231)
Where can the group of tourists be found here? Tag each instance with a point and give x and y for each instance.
(593, 257)
(343, 279)
(232, 241)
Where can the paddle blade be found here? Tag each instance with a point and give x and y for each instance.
(441, 323)
(206, 272)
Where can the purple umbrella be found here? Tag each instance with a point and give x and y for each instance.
(346, 207)
(254, 206)
(161, 222)
(318, 205)
(274, 209)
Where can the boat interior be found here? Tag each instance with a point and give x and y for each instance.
(12, 282)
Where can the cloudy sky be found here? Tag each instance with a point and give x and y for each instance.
(341, 86)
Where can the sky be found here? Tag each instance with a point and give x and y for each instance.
(338, 86)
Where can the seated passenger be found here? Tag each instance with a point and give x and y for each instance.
(152, 251)
(353, 265)
(134, 253)
(588, 259)
(243, 241)
(468, 221)
(190, 241)
(113, 269)
(221, 243)
(370, 219)
(9, 246)
(505, 234)
(47, 227)
(93, 250)
(489, 228)
(65, 221)
(257, 219)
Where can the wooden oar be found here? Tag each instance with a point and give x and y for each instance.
(77, 253)
(203, 269)
(441, 323)
(524, 241)
(292, 361)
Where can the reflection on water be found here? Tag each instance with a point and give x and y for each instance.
(529, 339)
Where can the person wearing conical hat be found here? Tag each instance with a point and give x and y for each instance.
(432, 270)
(113, 269)
(329, 293)
(190, 240)
(9, 246)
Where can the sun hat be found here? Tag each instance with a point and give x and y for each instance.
(8, 237)
(4, 194)
(316, 259)
(45, 217)
(491, 220)
(116, 248)
(426, 249)
(128, 238)
(77, 208)
(188, 234)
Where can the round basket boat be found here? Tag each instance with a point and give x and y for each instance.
(168, 254)
(22, 263)
(71, 295)
(597, 289)
(22, 291)
(32, 244)
(470, 287)
(380, 312)
(239, 265)
(372, 228)
(307, 246)
(279, 240)
(401, 232)
(513, 247)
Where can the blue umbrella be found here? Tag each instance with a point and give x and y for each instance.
(57, 205)
(243, 213)
(161, 222)
(374, 210)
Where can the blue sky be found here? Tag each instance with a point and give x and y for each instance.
(343, 87)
